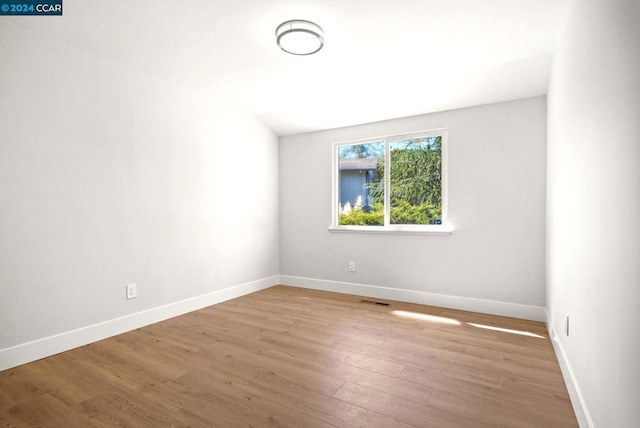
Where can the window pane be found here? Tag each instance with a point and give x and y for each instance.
(361, 184)
(416, 181)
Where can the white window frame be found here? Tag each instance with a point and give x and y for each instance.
(430, 229)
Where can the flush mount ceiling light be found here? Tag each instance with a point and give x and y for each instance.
(299, 37)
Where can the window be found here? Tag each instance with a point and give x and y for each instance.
(395, 184)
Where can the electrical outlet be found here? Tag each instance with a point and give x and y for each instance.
(132, 291)
(566, 324)
(352, 266)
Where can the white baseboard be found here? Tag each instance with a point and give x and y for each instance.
(41, 348)
(577, 399)
(515, 310)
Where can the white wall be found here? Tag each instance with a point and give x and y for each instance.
(109, 177)
(496, 202)
(593, 236)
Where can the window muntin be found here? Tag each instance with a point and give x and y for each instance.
(409, 194)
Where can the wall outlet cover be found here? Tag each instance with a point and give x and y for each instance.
(132, 291)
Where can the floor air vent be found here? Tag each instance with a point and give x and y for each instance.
(372, 302)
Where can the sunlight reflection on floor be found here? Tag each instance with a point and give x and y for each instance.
(426, 317)
(443, 320)
(506, 330)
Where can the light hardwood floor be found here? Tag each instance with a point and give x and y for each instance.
(290, 357)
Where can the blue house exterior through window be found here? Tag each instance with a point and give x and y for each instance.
(355, 174)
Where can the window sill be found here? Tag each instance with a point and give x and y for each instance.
(398, 230)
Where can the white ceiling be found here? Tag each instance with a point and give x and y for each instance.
(381, 59)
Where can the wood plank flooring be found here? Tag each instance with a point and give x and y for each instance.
(290, 357)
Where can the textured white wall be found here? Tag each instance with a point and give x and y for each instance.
(593, 255)
(109, 177)
(496, 202)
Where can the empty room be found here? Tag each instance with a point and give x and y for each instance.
(420, 213)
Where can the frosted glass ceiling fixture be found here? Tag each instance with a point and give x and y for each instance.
(300, 37)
